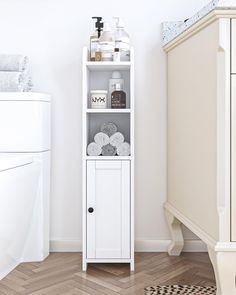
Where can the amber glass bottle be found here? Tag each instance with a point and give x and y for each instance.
(118, 98)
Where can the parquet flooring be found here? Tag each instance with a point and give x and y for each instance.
(61, 273)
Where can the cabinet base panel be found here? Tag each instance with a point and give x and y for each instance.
(87, 261)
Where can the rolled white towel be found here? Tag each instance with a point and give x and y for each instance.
(108, 150)
(13, 62)
(116, 139)
(94, 149)
(109, 128)
(123, 149)
(15, 81)
(28, 84)
(101, 139)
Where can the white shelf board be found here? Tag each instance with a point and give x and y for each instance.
(98, 111)
(108, 65)
(108, 158)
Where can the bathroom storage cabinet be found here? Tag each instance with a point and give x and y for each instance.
(202, 141)
(108, 182)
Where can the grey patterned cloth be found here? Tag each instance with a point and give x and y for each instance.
(108, 150)
(15, 81)
(13, 62)
(109, 128)
(180, 290)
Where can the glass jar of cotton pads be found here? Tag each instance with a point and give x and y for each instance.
(98, 99)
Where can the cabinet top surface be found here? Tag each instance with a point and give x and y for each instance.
(24, 96)
(171, 30)
(102, 66)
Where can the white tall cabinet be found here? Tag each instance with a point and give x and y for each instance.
(108, 182)
(202, 141)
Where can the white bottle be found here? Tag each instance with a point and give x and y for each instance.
(115, 78)
(122, 40)
(116, 55)
(107, 43)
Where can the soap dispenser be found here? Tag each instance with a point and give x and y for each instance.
(122, 40)
(107, 43)
(95, 37)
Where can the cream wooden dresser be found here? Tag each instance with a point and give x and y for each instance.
(202, 140)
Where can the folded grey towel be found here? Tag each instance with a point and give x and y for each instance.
(13, 62)
(116, 139)
(123, 149)
(109, 128)
(101, 139)
(15, 81)
(108, 150)
(94, 149)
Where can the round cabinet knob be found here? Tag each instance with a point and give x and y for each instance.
(90, 210)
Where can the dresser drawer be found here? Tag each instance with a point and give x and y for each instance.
(233, 158)
(233, 46)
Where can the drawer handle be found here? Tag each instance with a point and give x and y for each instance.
(90, 210)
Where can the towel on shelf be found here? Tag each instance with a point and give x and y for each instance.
(108, 150)
(101, 139)
(94, 149)
(116, 139)
(123, 149)
(13, 62)
(109, 128)
(15, 81)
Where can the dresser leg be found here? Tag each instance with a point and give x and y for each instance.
(132, 266)
(177, 243)
(224, 264)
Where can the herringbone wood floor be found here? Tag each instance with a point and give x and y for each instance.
(61, 273)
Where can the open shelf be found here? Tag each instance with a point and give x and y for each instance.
(100, 80)
(108, 65)
(103, 111)
(95, 120)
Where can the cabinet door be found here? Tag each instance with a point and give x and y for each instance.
(108, 194)
(233, 158)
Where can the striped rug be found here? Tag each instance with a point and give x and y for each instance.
(180, 290)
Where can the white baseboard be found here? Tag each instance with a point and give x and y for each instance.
(162, 245)
(62, 245)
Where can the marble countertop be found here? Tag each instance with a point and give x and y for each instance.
(170, 30)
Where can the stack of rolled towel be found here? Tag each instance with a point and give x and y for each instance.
(109, 142)
(14, 73)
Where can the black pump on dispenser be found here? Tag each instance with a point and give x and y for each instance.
(98, 24)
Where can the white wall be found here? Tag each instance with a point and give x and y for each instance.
(52, 33)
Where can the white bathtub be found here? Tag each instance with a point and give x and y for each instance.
(19, 181)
